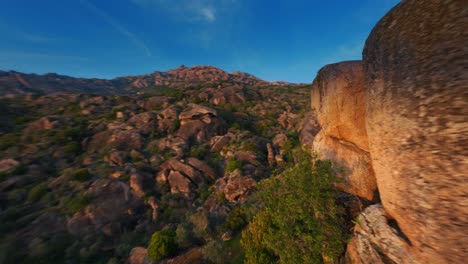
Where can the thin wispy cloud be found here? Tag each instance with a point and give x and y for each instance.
(117, 26)
(208, 14)
(189, 10)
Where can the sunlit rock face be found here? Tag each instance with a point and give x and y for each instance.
(401, 115)
(338, 99)
(415, 65)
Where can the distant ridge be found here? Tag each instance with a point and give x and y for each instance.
(12, 82)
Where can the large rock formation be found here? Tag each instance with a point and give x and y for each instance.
(338, 100)
(417, 101)
(407, 109)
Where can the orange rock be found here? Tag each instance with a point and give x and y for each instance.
(415, 64)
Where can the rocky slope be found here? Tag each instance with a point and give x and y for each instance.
(87, 178)
(19, 83)
(395, 125)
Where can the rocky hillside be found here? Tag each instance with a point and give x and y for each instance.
(90, 179)
(19, 83)
(395, 126)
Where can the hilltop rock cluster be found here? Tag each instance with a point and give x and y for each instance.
(12, 83)
(395, 125)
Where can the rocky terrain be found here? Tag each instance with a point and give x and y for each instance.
(196, 165)
(12, 83)
(89, 178)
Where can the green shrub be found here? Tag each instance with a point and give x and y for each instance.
(162, 245)
(77, 203)
(236, 220)
(72, 148)
(215, 251)
(198, 152)
(201, 224)
(235, 126)
(81, 175)
(233, 164)
(9, 140)
(184, 236)
(300, 221)
(37, 192)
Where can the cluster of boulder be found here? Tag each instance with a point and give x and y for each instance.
(395, 126)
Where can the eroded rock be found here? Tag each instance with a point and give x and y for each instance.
(416, 86)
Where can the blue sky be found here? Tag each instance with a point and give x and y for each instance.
(274, 40)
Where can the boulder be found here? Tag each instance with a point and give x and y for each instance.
(338, 100)
(168, 119)
(118, 158)
(157, 102)
(415, 65)
(202, 167)
(126, 140)
(155, 206)
(271, 155)
(113, 206)
(48, 122)
(310, 128)
(7, 165)
(145, 122)
(195, 111)
(352, 165)
(238, 187)
(289, 121)
(139, 183)
(218, 142)
(199, 123)
(179, 183)
(188, 171)
(139, 255)
(376, 241)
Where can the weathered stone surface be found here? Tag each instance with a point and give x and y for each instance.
(271, 155)
(199, 123)
(139, 183)
(48, 122)
(353, 166)
(237, 187)
(118, 158)
(145, 122)
(126, 140)
(310, 128)
(289, 120)
(195, 111)
(179, 183)
(155, 206)
(218, 142)
(203, 167)
(338, 100)
(112, 206)
(139, 255)
(192, 256)
(157, 102)
(8, 165)
(168, 119)
(375, 241)
(247, 156)
(188, 171)
(415, 65)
